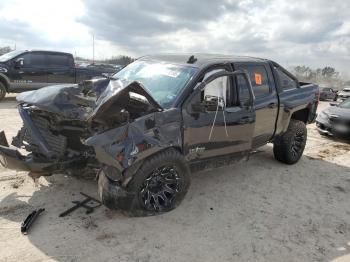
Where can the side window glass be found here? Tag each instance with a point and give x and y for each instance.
(259, 79)
(27, 59)
(38, 60)
(71, 62)
(58, 60)
(217, 89)
(286, 82)
(243, 90)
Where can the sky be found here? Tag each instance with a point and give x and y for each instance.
(314, 33)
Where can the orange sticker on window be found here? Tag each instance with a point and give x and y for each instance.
(258, 79)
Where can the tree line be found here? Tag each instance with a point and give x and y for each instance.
(5, 49)
(327, 76)
(115, 60)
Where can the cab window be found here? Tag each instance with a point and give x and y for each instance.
(243, 91)
(259, 79)
(33, 60)
(58, 60)
(285, 81)
(217, 89)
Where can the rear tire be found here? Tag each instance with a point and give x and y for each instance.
(2, 91)
(159, 186)
(289, 147)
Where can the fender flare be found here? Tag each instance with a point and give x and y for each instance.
(291, 111)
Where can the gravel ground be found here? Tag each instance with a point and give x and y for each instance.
(259, 210)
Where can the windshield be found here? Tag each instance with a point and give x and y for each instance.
(345, 104)
(162, 80)
(10, 55)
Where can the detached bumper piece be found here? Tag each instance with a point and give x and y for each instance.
(12, 159)
(29, 220)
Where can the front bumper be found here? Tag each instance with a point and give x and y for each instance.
(11, 158)
(332, 130)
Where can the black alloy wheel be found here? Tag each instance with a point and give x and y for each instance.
(159, 191)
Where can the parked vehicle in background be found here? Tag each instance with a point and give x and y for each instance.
(107, 69)
(29, 70)
(161, 116)
(335, 120)
(328, 93)
(344, 93)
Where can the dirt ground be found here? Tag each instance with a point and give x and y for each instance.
(259, 210)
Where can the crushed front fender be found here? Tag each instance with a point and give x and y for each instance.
(129, 145)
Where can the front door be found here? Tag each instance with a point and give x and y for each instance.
(32, 74)
(215, 124)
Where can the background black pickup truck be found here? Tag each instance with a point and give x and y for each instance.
(28, 70)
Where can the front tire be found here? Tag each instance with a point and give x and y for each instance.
(289, 147)
(159, 186)
(2, 91)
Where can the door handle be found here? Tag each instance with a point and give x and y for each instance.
(245, 119)
(272, 105)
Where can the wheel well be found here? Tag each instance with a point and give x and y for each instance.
(301, 115)
(4, 82)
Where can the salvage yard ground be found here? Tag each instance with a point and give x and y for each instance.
(259, 210)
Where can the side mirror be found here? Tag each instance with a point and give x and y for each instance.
(213, 103)
(210, 103)
(19, 63)
(333, 104)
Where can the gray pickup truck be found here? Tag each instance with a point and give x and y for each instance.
(144, 129)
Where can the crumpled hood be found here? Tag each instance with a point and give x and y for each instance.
(86, 101)
(66, 100)
(118, 95)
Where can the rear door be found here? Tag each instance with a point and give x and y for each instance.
(60, 68)
(224, 128)
(266, 101)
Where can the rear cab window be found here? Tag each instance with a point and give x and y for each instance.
(286, 82)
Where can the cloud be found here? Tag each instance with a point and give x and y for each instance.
(251, 27)
(314, 32)
(42, 24)
(137, 22)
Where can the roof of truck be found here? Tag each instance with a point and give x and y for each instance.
(200, 59)
(46, 51)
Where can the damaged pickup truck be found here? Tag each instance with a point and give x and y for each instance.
(145, 129)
